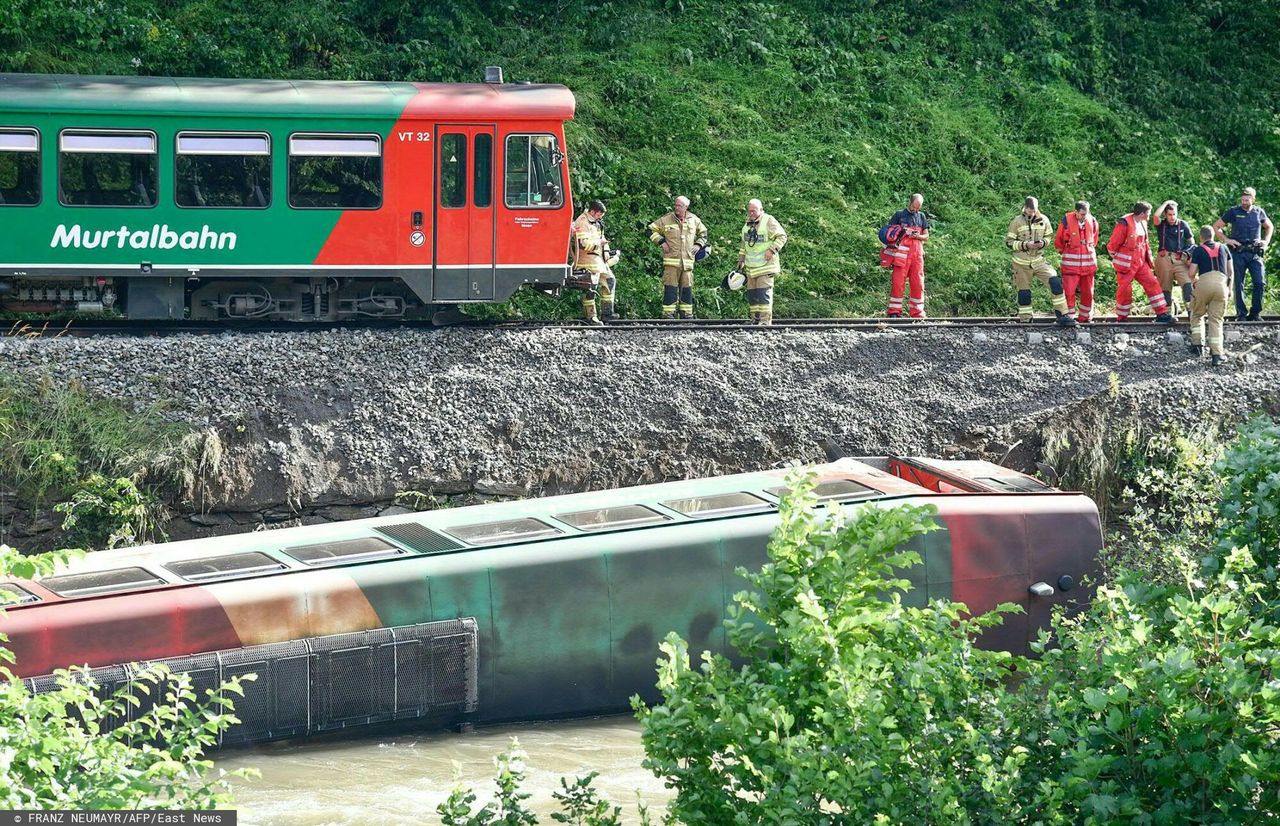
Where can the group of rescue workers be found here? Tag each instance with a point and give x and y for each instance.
(683, 239)
(1203, 272)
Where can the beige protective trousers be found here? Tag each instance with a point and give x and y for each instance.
(1209, 299)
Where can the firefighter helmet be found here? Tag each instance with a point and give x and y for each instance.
(703, 252)
(735, 280)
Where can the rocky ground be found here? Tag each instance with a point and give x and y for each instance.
(335, 424)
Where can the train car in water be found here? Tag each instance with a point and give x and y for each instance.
(522, 610)
(270, 199)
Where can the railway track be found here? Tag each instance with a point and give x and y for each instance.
(127, 327)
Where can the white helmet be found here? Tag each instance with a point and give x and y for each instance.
(735, 280)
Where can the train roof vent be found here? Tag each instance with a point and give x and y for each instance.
(625, 516)
(723, 504)
(227, 566)
(507, 530)
(834, 489)
(421, 539)
(346, 550)
(11, 594)
(101, 582)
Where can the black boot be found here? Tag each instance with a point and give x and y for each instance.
(1216, 361)
(1196, 350)
(1165, 318)
(1065, 320)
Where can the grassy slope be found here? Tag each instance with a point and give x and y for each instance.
(830, 113)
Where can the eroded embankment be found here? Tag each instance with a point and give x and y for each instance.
(334, 425)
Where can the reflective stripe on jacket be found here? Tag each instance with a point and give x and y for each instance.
(588, 244)
(1128, 243)
(683, 238)
(1022, 233)
(1077, 242)
(757, 237)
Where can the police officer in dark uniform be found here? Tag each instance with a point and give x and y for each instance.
(1251, 231)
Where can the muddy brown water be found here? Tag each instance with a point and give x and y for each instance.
(390, 780)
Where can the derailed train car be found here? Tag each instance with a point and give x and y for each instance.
(522, 610)
(270, 199)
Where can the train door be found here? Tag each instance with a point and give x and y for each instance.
(464, 213)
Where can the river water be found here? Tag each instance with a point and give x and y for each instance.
(401, 779)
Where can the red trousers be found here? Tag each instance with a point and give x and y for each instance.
(1142, 273)
(908, 265)
(1082, 280)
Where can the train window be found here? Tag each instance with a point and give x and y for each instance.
(101, 582)
(346, 550)
(1013, 484)
(100, 168)
(724, 504)
(19, 167)
(833, 489)
(534, 178)
(509, 530)
(223, 170)
(225, 567)
(335, 171)
(626, 516)
(11, 594)
(453, 170)
(482, 180)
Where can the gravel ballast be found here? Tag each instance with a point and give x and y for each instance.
(309, 419)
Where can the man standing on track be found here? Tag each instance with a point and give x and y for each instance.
(1131, 256)
(1173, 257)
(1027, 236)
(683, 238)
(1250, 236)
(592, 262)
(759, 257)
(1077, 242)
(908, 258)
(1211, 268)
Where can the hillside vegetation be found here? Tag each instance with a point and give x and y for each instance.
(832, 114)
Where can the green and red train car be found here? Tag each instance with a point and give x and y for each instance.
(523, 610)
(270, 199)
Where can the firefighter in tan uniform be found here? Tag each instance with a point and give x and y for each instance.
(1211, 271)
(759, 259)
(1029, 234)
(683, 238)
(593, 262)
(1173, 254)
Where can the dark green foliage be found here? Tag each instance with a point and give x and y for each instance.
(832, 114)
(1250, 507)
(1159, 704)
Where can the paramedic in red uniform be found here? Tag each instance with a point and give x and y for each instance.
(908, 259)
(1131, 256)
(1077, 242)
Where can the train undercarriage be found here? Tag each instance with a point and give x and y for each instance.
(273, 299)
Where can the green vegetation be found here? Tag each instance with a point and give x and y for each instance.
(99, 459)
(63, 750)
(1160, 703)
(832, 114)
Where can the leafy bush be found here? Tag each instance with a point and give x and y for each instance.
(1159, 704)
(113, 508)
(850, 707)
(59, 750)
